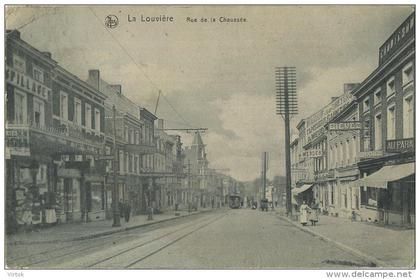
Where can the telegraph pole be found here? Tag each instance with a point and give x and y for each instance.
(264, 174)
(286, 101)
(189, 187)
(116, 214)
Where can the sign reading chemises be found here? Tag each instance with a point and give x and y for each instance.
(315, 123)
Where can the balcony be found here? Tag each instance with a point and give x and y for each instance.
(140, 148)
(50, 140)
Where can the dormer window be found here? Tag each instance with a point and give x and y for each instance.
(390, 87)
(19, 63)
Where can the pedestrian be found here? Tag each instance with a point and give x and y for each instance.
(121, 208)
(127, 211)
(304, 213)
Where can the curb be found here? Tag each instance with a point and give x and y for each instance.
(105, 233)
(372, 261)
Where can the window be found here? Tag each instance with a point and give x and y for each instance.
(407, 73)
(130, 163)
(378, 132)
(97, 120)
(121, 161)
(19, 63)
(366, 135)
(64, 106)
(126, 162)
(20, 107)
(366, 106)
(38, 74)
(408, 116)
(137, 137)
(390, 87)
(77, 111)
(39, 114)
(391, 122)
(132, 139)
(377, 96)
(88, 116)
(125, 133)
(348, 155)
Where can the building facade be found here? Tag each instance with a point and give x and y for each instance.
(54, 135)
(386, 100)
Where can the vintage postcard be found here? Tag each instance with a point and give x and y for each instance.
(210, 137)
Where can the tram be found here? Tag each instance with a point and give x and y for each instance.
(235, 201)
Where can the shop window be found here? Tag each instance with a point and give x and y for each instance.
(370, 196)
(395, 197)
(96, 202)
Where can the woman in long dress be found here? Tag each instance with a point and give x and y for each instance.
(304, 213)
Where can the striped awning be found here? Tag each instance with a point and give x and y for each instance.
(301, 189)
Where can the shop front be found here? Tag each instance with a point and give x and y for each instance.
(388, 195)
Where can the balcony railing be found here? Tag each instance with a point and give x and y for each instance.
(66, 132)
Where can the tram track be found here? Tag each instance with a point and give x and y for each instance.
(119, 259)
(56, 254)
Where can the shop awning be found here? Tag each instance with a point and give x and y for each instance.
(301, 189)
(387, 174)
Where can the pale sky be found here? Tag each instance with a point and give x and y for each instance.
(218, 75)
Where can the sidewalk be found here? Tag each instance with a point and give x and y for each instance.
(81, 231)
(383, 246)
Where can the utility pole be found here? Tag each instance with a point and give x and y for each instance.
(189, 187)
(116, 214)
(264, 174)
(286, 101)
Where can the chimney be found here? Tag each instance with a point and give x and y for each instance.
(348, 87)
(93, 78)
(160, 124)
(117, 88)
(47, 54)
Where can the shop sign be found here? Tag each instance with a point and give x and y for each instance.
(27, 83)
(312, 153)
(17, 141)
(315, 123)
(345, 126)
(371, 154)
(400, 145)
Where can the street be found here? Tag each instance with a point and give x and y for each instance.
(221, 239)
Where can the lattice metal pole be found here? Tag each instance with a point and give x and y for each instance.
(286, 106)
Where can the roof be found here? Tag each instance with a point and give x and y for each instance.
(197, 139)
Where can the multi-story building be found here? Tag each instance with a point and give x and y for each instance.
(343, 154)
(132, 128)
(386, 109)
(196, 184)
(54, 134)
(169, 161)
